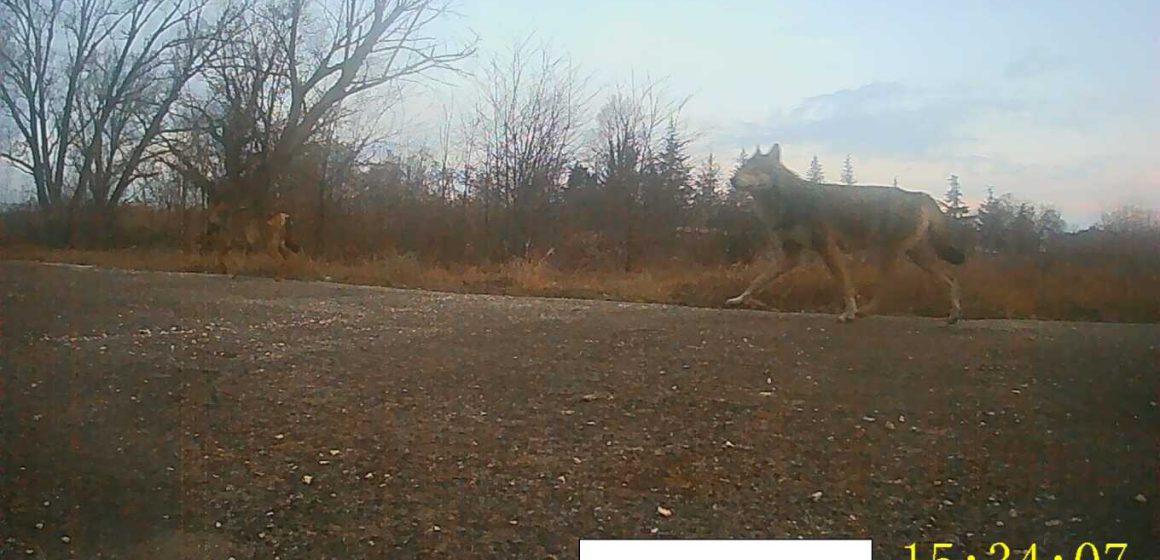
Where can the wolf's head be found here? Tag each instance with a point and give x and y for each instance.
(762, 171)
(762, 178)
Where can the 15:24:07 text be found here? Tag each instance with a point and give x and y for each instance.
(1000, 551)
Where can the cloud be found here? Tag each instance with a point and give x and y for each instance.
(1037, 148)
(885, 119)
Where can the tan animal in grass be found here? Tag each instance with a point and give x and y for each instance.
(886, 222)
(250, 231)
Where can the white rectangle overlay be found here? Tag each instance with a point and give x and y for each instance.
(725, 549)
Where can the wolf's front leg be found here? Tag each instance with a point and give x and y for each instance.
(790, 259)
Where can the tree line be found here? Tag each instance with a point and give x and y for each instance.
(124, 114)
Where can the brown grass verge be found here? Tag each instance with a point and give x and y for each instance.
(992, 287)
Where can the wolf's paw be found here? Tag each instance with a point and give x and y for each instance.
(735, 301)
(750, 302)
(866, 310)
(847, 317)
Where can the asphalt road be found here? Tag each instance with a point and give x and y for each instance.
(158, 415)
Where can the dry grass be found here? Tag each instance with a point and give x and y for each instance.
(992, 287)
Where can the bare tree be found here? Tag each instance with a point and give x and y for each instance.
(527, 119)
(89, 85)
(30, 74)
(1131, 220)
(628, 141)
(340, 159)
(278, 85)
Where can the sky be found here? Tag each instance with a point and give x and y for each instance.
(1054, 101)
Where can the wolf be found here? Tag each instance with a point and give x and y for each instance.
(886, 222)
(233, 228)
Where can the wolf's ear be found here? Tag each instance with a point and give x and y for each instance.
(775, 151)
(757, 150)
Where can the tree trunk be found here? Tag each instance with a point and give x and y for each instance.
(629, 233)
(320, 224)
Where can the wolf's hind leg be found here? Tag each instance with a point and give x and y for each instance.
(790, 258)
(887, 259)
(925, 257)
(833, 259)
(887, 265)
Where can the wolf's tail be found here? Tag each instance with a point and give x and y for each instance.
(942, 239)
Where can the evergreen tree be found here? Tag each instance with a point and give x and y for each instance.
(987, 208)
(988, 202)
(706, 183)
(955, 207)
(579, 177)
(1005, 224)
(815, 173)
(665, 192)
(673, 167)
(742, 157)
(1023, 234)
(896, 182)
(1049, 225)
(991, 220)
(848, 172)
